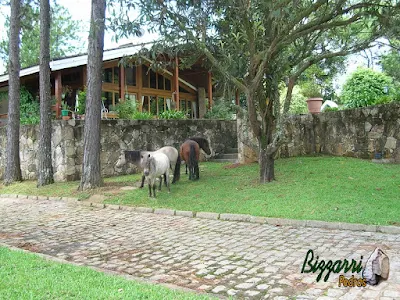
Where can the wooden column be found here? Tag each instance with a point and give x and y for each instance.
(237, 97)
(139, 83)
(210, 96)
(122, 82)
(176, 81)
(58, 93)
(84, 76)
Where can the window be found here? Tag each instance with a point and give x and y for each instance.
(116, 75)
(153, 79)
(130, 74)
(145, 76)
(107, 75)
(182, 104)
(160, 80)
(167, 84)
(161, 104)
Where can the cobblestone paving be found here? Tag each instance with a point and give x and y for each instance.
(244, 260)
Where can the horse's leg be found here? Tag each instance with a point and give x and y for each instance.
(149, 189)
(165, 180)
(154, 190)
(142, 185)
(168, 183)
(196, 170)
(186, 168)
(161, 178)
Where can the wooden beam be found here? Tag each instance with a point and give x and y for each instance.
(122, 82)
(210, 95)
(176, 81)
(58, 93)
(139, 85)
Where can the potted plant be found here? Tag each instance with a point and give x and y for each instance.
(65, 111)
(81, 105)
(312, 92)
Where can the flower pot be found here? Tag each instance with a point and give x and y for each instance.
(314, 105)
(64, 112)
(66, 118)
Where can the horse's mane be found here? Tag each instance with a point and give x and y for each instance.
(132, 156)
(203, 143)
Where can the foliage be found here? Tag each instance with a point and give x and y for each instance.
(390, 63)
(221, 110)
(366, 87)
(172, 114)
(81, 108)
(64, 34)
(64, 105)
(30, 108)
(331, 109)
(137, 115)
(298, 105)
(125, 109)
(310, 89)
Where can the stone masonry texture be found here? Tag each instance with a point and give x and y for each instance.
(226, 258)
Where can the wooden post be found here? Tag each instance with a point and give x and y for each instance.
(176, 80)
(84, 76)
(139, 85)
(122, 82)
(58, 93)
(210, 96)
(237, 97)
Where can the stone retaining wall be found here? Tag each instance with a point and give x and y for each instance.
(361, 133)
(116, 135)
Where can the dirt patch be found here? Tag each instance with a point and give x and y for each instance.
(96, 198)
(29, 246)
(394, 223)
(236, 165)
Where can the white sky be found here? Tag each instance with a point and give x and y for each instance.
(80, 11)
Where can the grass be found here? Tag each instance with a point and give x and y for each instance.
(315, 188)
(28, 276)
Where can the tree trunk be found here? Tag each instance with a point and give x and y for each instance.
(267, 166)
(45, 167)
(91, 171)
(13, 167)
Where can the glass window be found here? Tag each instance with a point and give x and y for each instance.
(160, 82)
(167, 84)
(108, 99)
(130, 74)
(153, 105)
(107, 75)
(168, 103)
(153, 79)
(116, 75)
(145, 76)
(182, 104)
(145, 103)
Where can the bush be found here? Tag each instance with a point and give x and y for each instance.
(30, 109)
(310, 89)
(137, 115)
(81, 108)
(367, 87)
(330, 109)
(171, 114)
(221, 110)
(126, 109)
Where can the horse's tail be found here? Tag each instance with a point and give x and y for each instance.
(192, 156)
(177, 171)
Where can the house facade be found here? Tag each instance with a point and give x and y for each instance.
(150, 91)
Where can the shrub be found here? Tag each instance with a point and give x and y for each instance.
(126, 109)
(81, 108)
(367, 87)
(331, 109)
(137, 115)
(30, 108)
(221, 110)
(310, 89)
(171, 114)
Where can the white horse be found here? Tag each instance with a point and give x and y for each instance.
(156, 165)
(134, 157)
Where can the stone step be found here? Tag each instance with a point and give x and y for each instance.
(228, 156)
(232, 150)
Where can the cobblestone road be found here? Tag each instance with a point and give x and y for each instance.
(226, 258)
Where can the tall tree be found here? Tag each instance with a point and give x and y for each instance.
(256, 45)
(13, 166)
(91, 171)
(64, 34)
(45, 167)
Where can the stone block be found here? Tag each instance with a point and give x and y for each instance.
(164, 211)
(207, 215)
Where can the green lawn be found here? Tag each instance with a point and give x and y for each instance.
(316, 188)
(27, 276)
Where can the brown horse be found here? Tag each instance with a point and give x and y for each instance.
(189, 152)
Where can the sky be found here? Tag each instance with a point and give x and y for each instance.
(80, 11)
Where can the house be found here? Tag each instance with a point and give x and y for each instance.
(184, 90)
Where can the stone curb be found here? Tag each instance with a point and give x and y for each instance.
(225, 216)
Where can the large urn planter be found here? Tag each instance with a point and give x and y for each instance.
(314, 105)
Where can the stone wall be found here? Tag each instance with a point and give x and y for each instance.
(116, 135)
(360, 133)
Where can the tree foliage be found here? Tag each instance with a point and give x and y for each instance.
(64, 38)
(366, 87)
